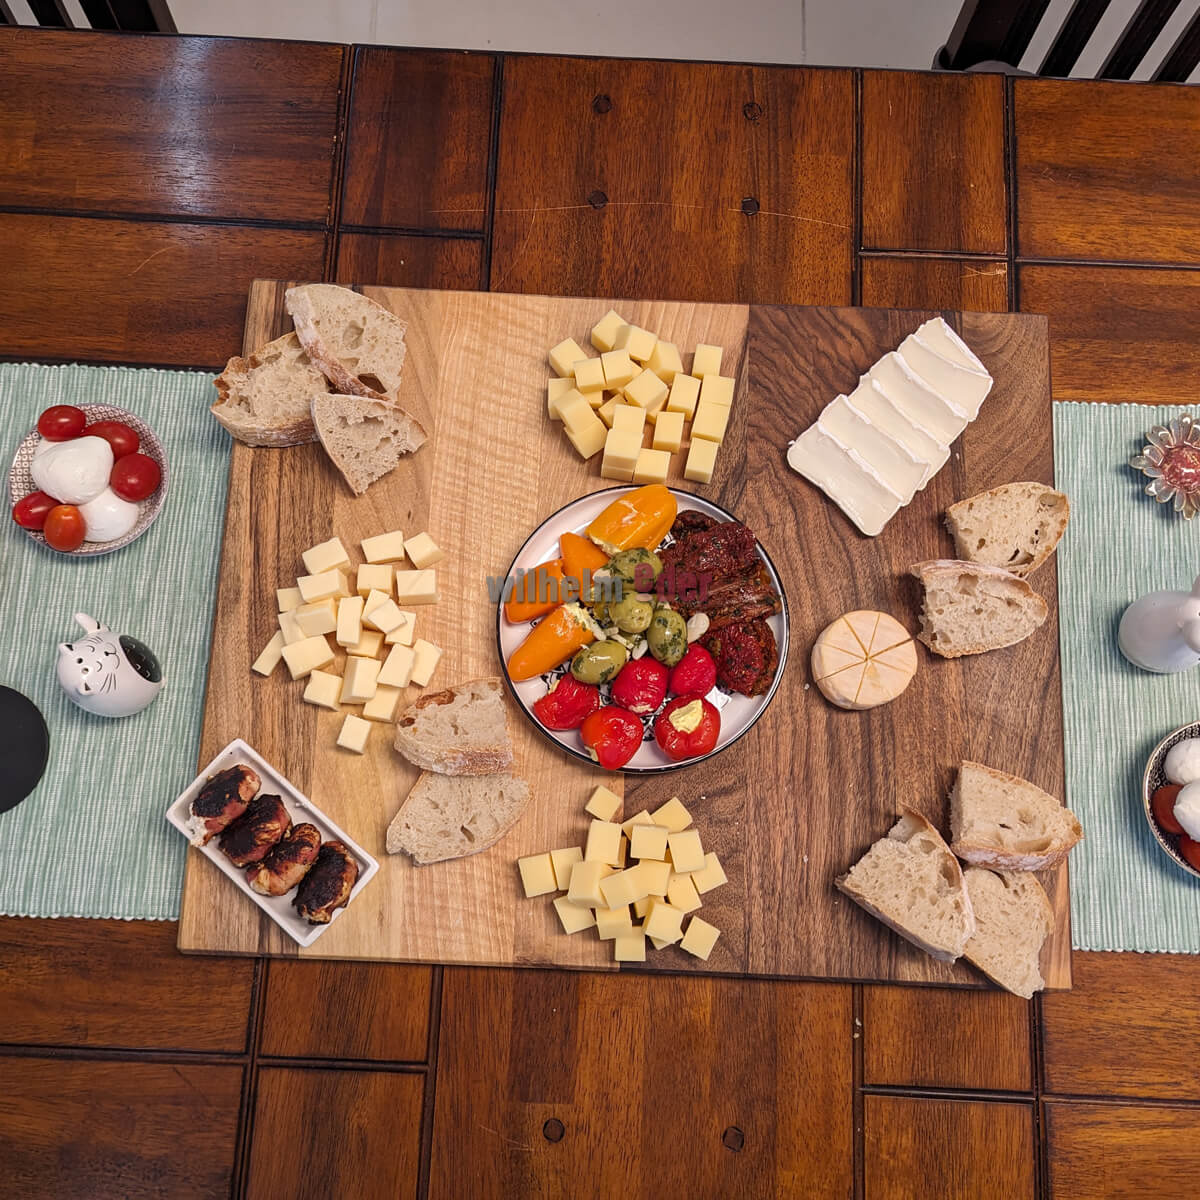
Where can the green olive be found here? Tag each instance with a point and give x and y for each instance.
(626, 565)
(599, 662)
(667, 636)
(631, 614)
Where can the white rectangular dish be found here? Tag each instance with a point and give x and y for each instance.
(278, 908)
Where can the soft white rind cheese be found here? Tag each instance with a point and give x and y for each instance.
(863, 498)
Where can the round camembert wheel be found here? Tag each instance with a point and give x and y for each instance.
(863, 659)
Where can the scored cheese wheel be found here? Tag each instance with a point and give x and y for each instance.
(863, 659)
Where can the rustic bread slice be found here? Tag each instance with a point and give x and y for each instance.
(912, 883)
(265, 400)
(447, 817)
(999, 820)
(364, 438)
(462, 730)
(1013, 918)
(1016, 526)
(970, 608)
(357, 343)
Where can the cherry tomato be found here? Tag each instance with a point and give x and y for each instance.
(695, 674)
(1162, 805)
(678, 743)
(61, 423)
(567, 703)
(612, 736)
(30, 511)
(65, 527)
(117, 434)
(1190, 851)
(641, 685)
(135, 476)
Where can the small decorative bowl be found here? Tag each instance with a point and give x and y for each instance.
(1171, 461)
(21, 484)
(1155, 778)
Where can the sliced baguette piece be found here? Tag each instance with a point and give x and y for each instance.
(912, 883)
(969, 608)
(446, 817)
(461, 730)
(266, 399)
(1016, 526)
(364, 438)
(1013, 918)
(999, 820)
(357, 343)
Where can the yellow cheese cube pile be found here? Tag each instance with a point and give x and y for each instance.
(633, 402)
(375, 653)
(631, 902)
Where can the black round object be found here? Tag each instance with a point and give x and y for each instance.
(24, 747)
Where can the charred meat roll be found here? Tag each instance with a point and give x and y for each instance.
(222, 800)
(264, 823)
(286, 863)
(327, 886)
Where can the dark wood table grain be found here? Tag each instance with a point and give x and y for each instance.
(145, 181)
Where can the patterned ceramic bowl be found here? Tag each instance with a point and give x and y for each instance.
(20, 484)
(1154, 779)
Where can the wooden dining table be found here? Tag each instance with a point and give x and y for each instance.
(146, 181)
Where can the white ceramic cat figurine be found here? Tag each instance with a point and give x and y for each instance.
(108, 674)
(1161, 631)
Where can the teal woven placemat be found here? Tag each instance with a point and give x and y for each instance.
(91, 840)
(1125, 893)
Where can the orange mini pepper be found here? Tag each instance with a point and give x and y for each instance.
(639, 518)
(536, 593)
(551, 642)
(579, 555)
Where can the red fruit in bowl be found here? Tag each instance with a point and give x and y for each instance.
(1162, 805)
(65, 528)
(30, 511)
(122, 438)
(61, 423)
(135, 476)
(641, 685)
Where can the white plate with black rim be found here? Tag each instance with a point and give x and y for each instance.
(738, 712)
(1154, 778)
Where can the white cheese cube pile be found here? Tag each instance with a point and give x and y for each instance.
(871, 451)
(374, 653)
(630, 905)
(639, 375)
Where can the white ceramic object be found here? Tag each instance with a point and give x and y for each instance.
(1161, 631)
(108, 674)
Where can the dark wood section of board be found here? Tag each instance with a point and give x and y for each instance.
(402, 260)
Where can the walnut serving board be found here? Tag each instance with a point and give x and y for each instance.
(788, 807)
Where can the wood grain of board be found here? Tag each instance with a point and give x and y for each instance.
(775, 806)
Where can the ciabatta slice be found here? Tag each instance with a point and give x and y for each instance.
(1016, 526)
(364, 438)
(1013, 918)
(461, 730)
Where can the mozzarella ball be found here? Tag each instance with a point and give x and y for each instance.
(1187, 809)
(43, 444)
(1183, 761)
(73, 472)
(108, 517)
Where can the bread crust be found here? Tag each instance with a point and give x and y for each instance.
(454, 760)
(245, 429)
(1045, 549)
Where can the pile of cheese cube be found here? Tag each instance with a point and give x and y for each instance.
(606, 403)
(671, 874)
(380, 653)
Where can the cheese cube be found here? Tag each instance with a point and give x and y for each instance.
(565, 355)
(642, 907)
(416, 587)
(604, 332)
(628, 418)
(585, 883)
(668, 432)
(384, 547)
(687, 854)
(682, 894)
(710, 876)
(637, 342)
(618, 369)
(717, 389)
(316, 619)
(685, 391)
(602, 804)
(621, 449)
(652, 466)
(588, 438)
(373, 599)
(630, 947)
(270, 657)
(574, 917)
(360, 680)
(700, 938)
(665, 361)
(622, 849)
(641, 818)
(664, 922)
(427, 657)
(288, 599)
(349, 620)
(322, 690)
(706, 360)
(374, 577)
(423, 551)
(556, 389)
(307, 655)
(623, 887)
(354, 734)
(595, 399)
(398, 667)
(367, 645)
(672, 815)
(344, 584)
(655, 875)
(606, 410)
(615, 473)
(290, 628)
(701, 459)
(603, 843)
(613, 922)
(649, 841)
(647, 391)
(319, 587)
(589, 375)
(571, 408)
(403, 636)
(564, 861)
(537, 874)
(710, 422)
(385, 617)
(658, 943)
(328, 556)
(382, 705)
